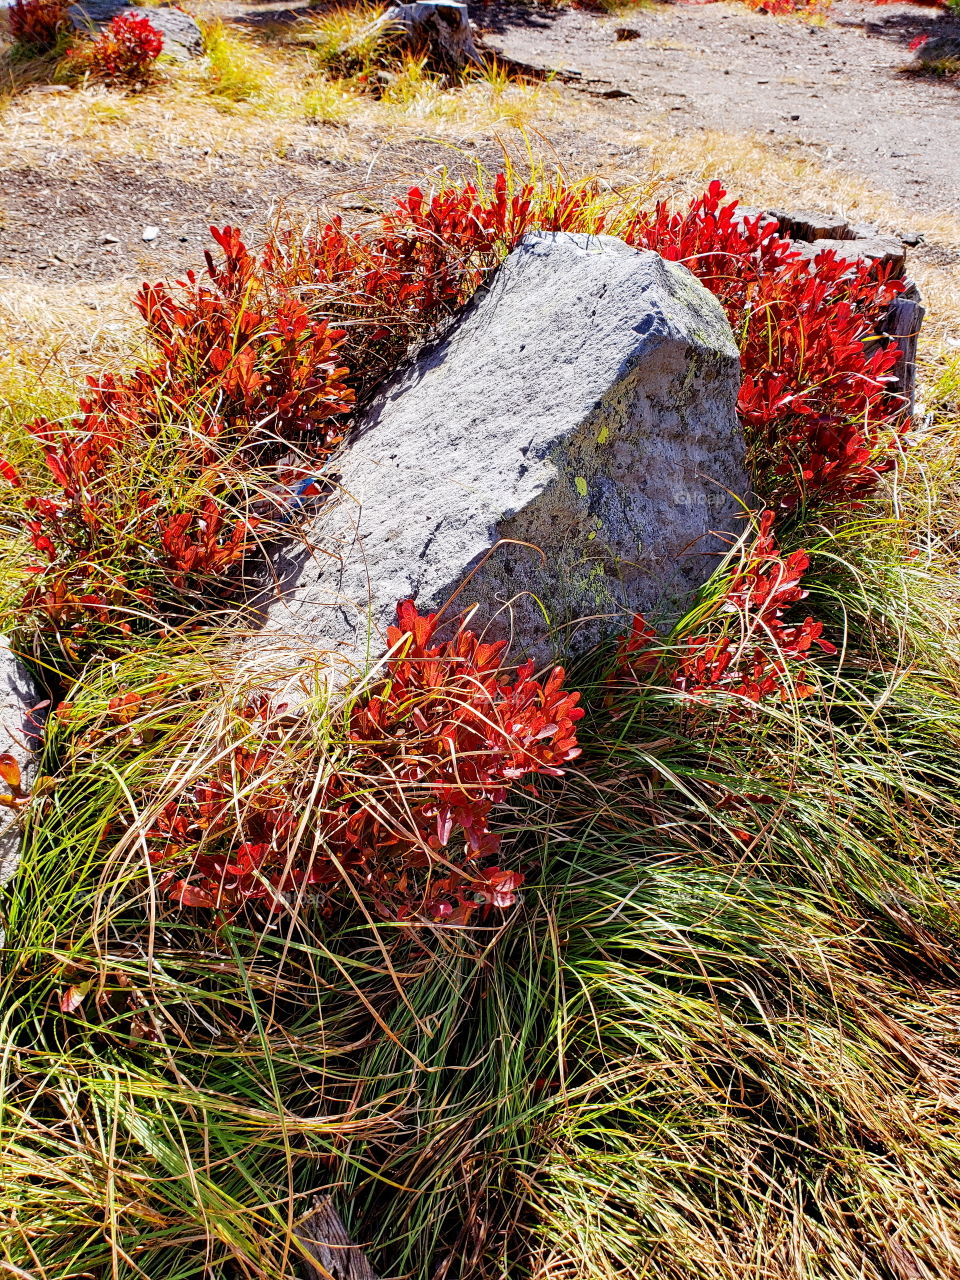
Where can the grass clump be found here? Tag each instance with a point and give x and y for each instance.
(327, 102)
(714, 1037)
(344, 39)
(684, 1049)
(236, 73)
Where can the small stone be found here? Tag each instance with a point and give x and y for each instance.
(109, 240)
(150, 233)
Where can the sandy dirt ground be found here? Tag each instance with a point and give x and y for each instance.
(839, 90)
(668, 96)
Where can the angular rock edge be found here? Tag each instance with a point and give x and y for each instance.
(569, 451)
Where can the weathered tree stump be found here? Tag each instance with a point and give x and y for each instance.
(324, 1238)
(439, 30)
(808, 225)
(902, 325)
(812, 233)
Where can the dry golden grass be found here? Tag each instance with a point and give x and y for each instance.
(249, 108)
(248, 102)
(51, 337)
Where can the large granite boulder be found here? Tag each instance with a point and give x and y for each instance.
(21, 721)
(568, 453)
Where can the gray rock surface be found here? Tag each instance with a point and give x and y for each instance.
(938, 49)
(20, 727)
(182, 37)
(569, 448)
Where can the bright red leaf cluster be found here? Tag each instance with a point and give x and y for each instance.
(750, 654)
(728, 250)
(124, 52)
(815, 405)
(422, 263)
(405, 819)
(250, 362)
(152, 514)
(243, 369)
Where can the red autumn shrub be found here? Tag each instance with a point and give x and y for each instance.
(151, 510)
(250, 364)
(727, 250)
(403, 819)
(243, 356)
(748, 653)
(817, 415)
(124, 52)
(37, 24)
(425, 260)
(814, 402)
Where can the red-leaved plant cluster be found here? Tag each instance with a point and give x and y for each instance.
(150, 515)
(403, 820)
(123, 53)
(815, 404)
(37, 24)
(747, 652)
(249, 362)
(156, 505)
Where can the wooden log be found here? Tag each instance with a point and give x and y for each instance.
(902, 326)
(808, 225)
(883, 251)
(439, 30)
(813, 233)
(332, 1254)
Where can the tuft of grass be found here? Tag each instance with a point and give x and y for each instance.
(712, 1042)
(716, 1041)
(328, 102)
(235, 72)
(342, 39)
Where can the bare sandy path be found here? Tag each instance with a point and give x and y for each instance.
(839, 89)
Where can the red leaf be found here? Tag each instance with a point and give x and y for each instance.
(10, 771)
(73, 997)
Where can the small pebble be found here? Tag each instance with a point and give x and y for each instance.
(150, 233)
